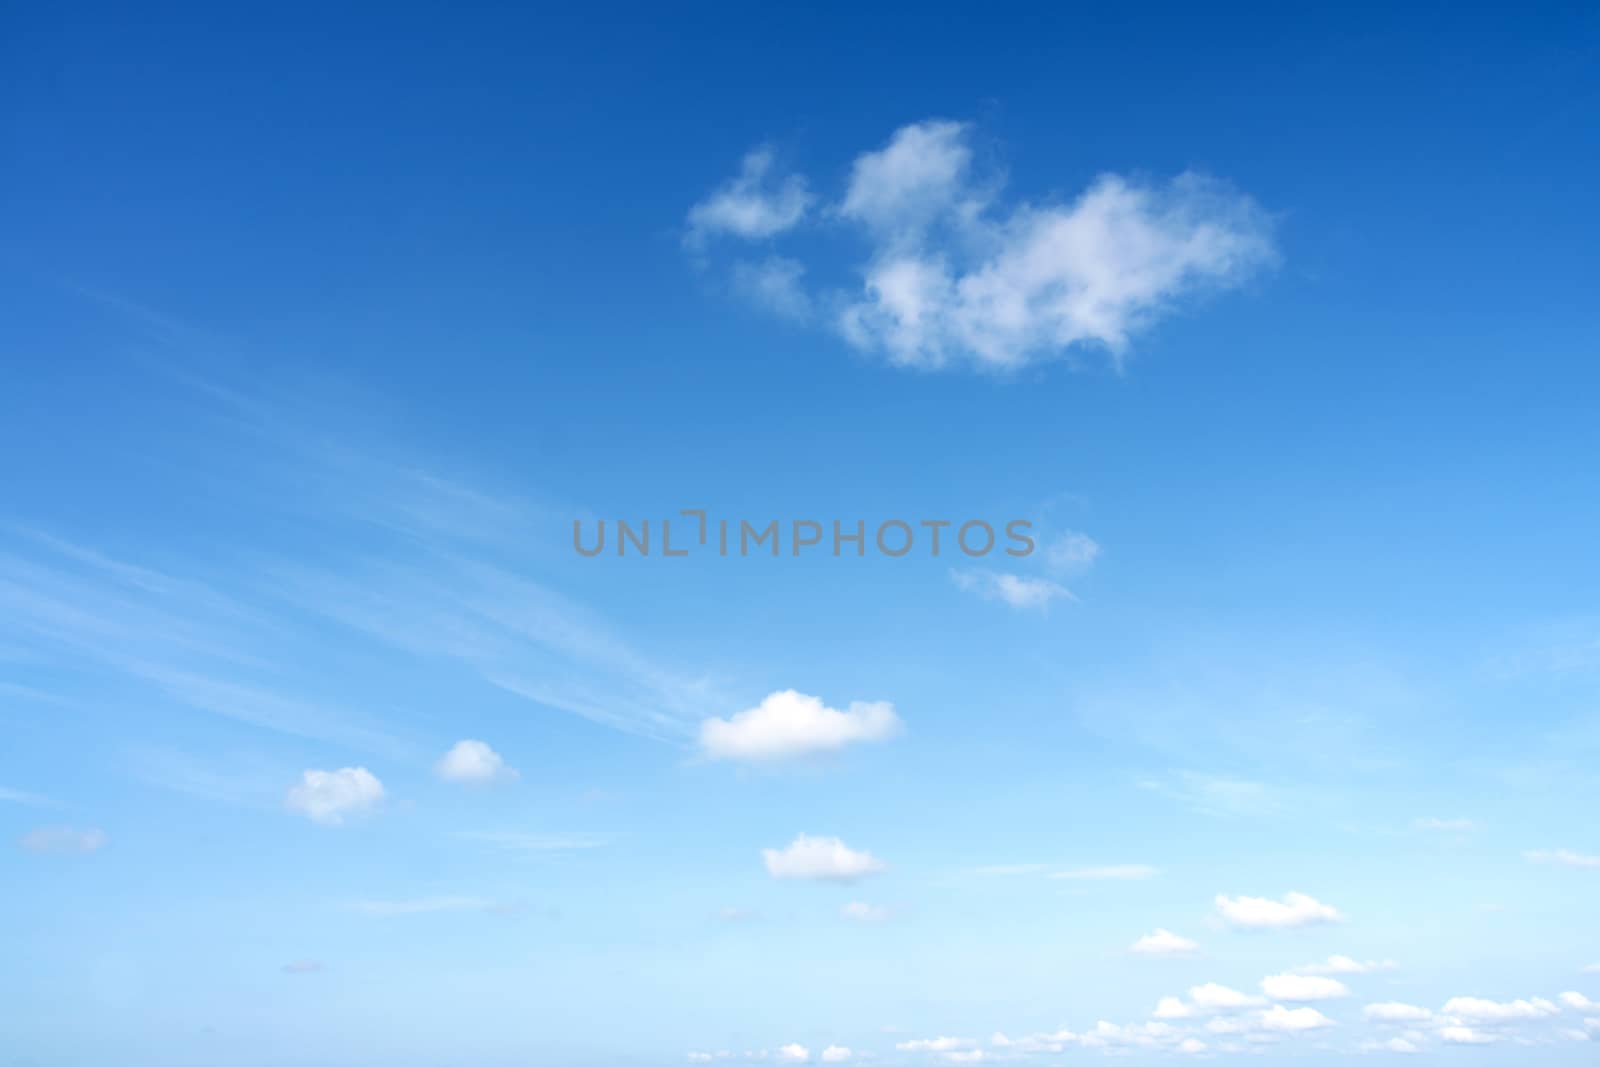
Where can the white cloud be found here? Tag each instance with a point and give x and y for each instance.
(953, 276)
(1393, 1044)
(1446, 826)
(1127, 872)
(1259, 913)
(1214, 997)
(1013, 590)
(1393, 1011)
(473, 763)
(835, 1054)
(1593, 968)
(1466, 1035)
(1071, 553)
(1293, 1020)
(1478, 1010)
(820, 858)
(755, 204)
(63, 840)
(1347, 965)
(1579, 1002)
(329, 796)
(934, 1044)
(1173, 1008)
(794, 1054)
(1303, 987)
(1563, 857)
(862, 912)
(18, 796)
(969, 1056)
(1192, 1046)
(1164, 943)
(788, 725)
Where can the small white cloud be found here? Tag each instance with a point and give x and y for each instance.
(1164, 943)
(820, 858)
(1593, 968)
(935, 1044)
(902, 187)
(794, 1054)
(862, 912)
(753, 205)
(1127, 872)
(1478, 1010)
(1022, 593)
(1303, 987)
(328, 797)
(1563, 857)
(1579, 1002)
(1259, 913)
(835, 1054)
(473, 763)
(1071, 553)
(1293, 1020)
(18, 796)
(1214, 997)
(1173, 1008)
(1347, 965)
(788, 725)
(1445, 826)
(1393, 1044)
(63, 840)
(975, 1055)
(1393, 1011)
(1191, 1046)
(1466, 1035)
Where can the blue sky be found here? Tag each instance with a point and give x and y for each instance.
(322, 746)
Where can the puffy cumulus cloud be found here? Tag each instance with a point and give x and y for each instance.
(825, 859)
(1564, 857)
(1303, 987)
(63, 841)
(1191, 1046)
(794, 1054)
(1393, 1011)
(1022, 592)
(953, 276)
(329, 797)
(473, 763)
(1579, 1002)
(1260, 913)
(1347, 965)
(1280, 1019)
(835, 1054)
(1214, 997)
(1478, 1010)
(862, 912)
(788, 725)
(1164, 943)
(755, 203)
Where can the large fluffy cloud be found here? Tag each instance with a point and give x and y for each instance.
(1260, 913)
(825, 859)
(787, 725)
(952, 275)
(329, 797)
